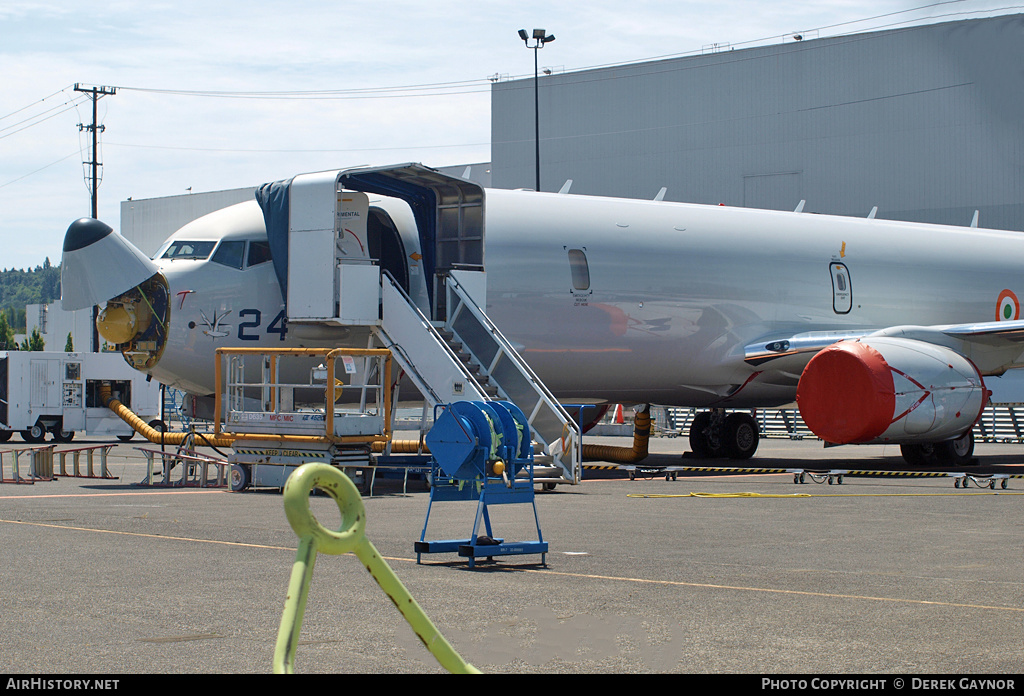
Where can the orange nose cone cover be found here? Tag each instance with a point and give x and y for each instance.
(846, 394)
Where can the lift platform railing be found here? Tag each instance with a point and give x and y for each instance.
(261, 402)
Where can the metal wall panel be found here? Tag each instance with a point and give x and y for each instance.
(147, 223)
(923, 122)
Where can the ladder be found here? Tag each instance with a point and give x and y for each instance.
(466, 358)
(456, 354)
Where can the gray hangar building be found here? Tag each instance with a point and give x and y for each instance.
(924, 123)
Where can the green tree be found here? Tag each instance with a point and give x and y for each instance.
(69, 345)
(6, 334)
(34, 342)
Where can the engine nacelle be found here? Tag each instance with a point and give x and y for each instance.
(890, 390)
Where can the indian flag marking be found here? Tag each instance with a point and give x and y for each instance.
(1007, 307)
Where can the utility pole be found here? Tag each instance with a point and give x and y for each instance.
(95, 93)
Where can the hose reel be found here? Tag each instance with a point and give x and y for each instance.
(483, 451)
(472, 440)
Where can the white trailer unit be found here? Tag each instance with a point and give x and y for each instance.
(59, 393)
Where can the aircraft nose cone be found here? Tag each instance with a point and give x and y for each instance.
(99, 264)
(83, 232)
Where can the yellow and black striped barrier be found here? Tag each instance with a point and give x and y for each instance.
(960, 479)
(794, 496)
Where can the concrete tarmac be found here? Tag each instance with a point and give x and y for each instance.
(876, 576)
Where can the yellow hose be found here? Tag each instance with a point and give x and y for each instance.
(625, 455)
(147, 431)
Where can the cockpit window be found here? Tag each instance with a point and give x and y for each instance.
(259, 252)
(230, 254)
(188, 250)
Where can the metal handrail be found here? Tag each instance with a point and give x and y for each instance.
(571, 431)
(429, 326)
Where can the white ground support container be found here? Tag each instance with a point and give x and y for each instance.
(59, 393)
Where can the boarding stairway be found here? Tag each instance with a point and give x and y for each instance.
(466, 358)
(456, 353)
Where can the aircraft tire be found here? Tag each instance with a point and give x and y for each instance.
(700, 443)
(919, 454)
(958, 452)
(741, 436)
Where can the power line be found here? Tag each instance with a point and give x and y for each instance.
(292, 151)
(64, 108)
(29, 106)
(25, 176)
(439, 89)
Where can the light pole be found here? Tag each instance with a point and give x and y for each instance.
(540, 37)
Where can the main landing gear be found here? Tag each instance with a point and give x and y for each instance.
(715, 434)
(958, 452)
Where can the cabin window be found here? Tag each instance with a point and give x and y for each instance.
(230, 254)
(188, 250)
(580, 269)
(259, 252)
(842, 290)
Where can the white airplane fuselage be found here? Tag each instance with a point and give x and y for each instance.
(628, 301)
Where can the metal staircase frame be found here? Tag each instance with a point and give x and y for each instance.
(449, 214)
(516, 382)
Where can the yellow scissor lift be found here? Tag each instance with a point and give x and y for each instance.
(286, 407)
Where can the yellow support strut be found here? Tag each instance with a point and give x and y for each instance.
(350, 537)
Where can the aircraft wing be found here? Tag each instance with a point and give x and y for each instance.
(993, 346)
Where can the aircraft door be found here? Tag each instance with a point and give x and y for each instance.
(842, 289)
(386, 247)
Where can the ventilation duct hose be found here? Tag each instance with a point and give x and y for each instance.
(147, 431)
(625, 455)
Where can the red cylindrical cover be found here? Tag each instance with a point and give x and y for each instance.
(846, 393)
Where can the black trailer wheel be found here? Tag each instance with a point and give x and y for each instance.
(61, 435)
(35, 434)
(240, 477)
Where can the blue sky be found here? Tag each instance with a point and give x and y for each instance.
(161, 137)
